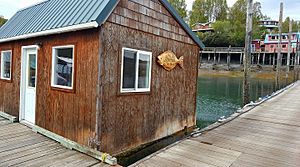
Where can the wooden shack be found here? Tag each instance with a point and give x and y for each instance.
(87, 70)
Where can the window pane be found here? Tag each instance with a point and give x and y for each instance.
(31, 70)
(63, 67)
(144, 71)
(6, 65)
(129, 69)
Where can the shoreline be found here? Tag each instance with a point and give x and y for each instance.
(259, 74)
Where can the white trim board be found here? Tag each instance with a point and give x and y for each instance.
(54, 57)
(78, 27)
(22, 78)
(11, 118)
(76, 146)
(136, 89)
(2, 65)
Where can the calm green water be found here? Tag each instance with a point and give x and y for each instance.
(222, 96)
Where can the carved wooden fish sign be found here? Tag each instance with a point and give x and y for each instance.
(169, 60)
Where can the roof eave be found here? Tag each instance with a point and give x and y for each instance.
(183, 24)
(77, 27)
(106, 12)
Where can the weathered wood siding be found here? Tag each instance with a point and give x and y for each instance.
(9, 90)
(129, 120)
(68, 113)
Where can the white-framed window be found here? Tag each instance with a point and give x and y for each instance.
(63, 67)
(136, 70)
(6, 61)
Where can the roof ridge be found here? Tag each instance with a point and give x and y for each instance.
(36, 4)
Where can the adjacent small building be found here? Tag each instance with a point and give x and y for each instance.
(203, 27)
(87, 70)
(269, 24)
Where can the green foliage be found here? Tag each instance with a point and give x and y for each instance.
(2, 20)
(180, 6)
(229, 25)
(208, 10)
(221, 36)
(285, 25)
(198, 14)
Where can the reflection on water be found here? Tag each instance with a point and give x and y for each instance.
(222, 96)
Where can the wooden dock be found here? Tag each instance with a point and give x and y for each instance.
(268, 135)
(20, 146)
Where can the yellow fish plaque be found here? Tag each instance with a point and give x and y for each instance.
(169, 60)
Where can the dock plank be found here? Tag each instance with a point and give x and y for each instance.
(268, 135)
(20, 146)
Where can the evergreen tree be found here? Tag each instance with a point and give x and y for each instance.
(208, 10)
(238, 20)
(2, 20)
(199, 12)
(221, 10)
(180, 6)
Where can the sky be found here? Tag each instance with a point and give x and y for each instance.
(269, 7)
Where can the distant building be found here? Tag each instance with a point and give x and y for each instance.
(203, 27)
(270, 44)
(269, 24)
(256, 45)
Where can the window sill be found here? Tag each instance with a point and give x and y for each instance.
(131, 93)
(61, 89)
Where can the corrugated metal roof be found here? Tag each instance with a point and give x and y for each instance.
(53, 14)
(58, 14)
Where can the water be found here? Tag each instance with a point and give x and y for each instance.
(222, 96)
(216, 97)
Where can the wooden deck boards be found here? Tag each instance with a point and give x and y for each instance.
(19, 146)
(268, 135)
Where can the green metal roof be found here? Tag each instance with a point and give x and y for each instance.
(52, 15)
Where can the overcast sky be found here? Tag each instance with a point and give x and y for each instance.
(269, 7)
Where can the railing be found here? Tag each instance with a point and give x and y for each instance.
(224, 49)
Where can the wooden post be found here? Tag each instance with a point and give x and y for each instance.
(295, 63)
(247, 55)
(270, 59)
(219, 58)
(296, 66)
(200, 59)
(208, 58)
(298, 60)
(264, 58)
(228, 58)
(289, 51)
(279, 56)
(241, 59)
(215, 56)
(274, 59)
(258, 59)
(294, 59)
